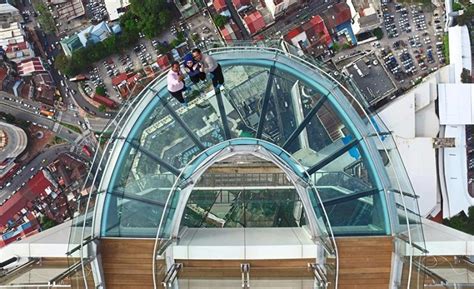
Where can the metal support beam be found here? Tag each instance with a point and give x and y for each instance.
(266, 100)
(305, 122)
(137, 198)
(176, 117)
(157, 159)
(220, 104)
(333, 156)
(349, 197)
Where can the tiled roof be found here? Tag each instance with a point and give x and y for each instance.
(219, 5)
(34, 188)
(240, 3)
(29, 66)
(255, 22)
(293, 33)
(337, 15)
(163, 61)
(119, 79)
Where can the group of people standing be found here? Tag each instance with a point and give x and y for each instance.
(196, 65)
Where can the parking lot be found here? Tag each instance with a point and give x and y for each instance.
(413, 45)
(202, 30)
(146, 52)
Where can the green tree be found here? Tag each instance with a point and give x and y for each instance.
(462, 222)
(47, 223)
(100, 90)
(180, 36)
(102, 108)
(8, 117)
(61, 63)
(467, 16)
(45, 18)
(220, 20)
(466, 76)
(378, 33)
(456, 6)
(151, 17)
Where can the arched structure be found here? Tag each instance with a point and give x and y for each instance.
(275, 106)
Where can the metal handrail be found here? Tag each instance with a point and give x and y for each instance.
(171, 275)
(355, 100)
(245, 269)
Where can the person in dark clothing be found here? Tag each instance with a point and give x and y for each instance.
(193, 69)
(209, 65)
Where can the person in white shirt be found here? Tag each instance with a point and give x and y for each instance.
(209, 65)
(175, 80)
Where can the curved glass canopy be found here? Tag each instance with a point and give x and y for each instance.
(268, 96)
(326, 164)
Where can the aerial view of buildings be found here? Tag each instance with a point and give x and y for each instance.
(336, 151)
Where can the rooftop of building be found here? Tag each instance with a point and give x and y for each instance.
(14, 142)
(254, 21)
(245, 171)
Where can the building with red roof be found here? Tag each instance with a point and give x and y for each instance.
(219, 5)
(124, 82)
(231, 32)
(10, 211)
(336, 15)
(163, 61)
(3, 75)
(240, 3)
(338, 21)
(119, 79)
(29, 66)
(19, 51)
(312, 36)
(44, 88)
(104, 100)
(254, 22)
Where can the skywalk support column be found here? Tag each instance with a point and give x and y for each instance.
(266, 99)
(176, 117)
(220, 105)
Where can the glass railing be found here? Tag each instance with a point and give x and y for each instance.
(346, 139)
(182, 210)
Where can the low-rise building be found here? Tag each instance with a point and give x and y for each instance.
(338, 22)
(124, 83)
(254, 22)
(231, 32)
(364, 15)
(163, 61)
(219, 5)
(69, 10)
(187, 8)
(13, 42)
(312, 37)
(8, 14)
(44, 88)
(278, 7)
(115, 8)
(90, 35)
(30, 66)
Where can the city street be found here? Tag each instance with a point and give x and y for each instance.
(69, 116)
(59, 130)
(295, 17)
(35, 165)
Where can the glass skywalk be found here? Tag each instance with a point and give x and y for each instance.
(269, 98)
(326, 164)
